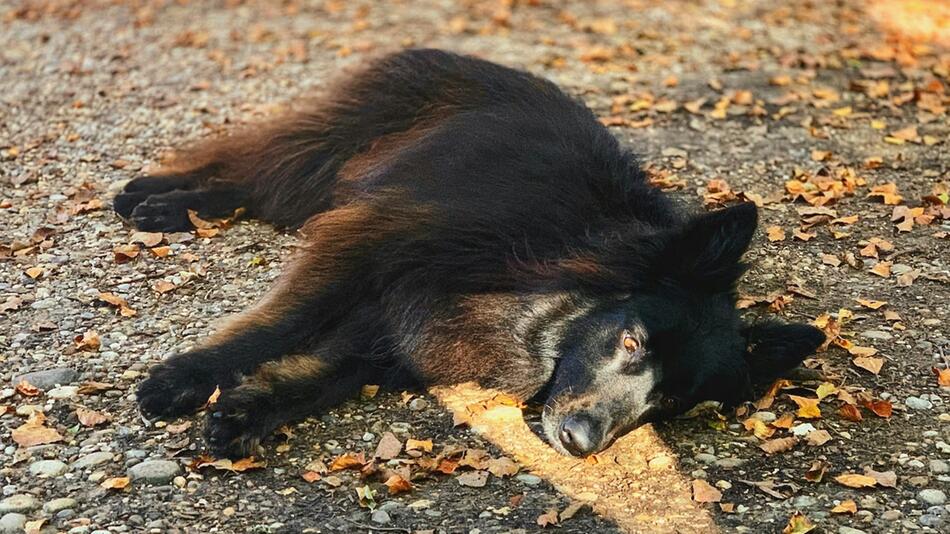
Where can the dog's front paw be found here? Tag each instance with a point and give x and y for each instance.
(240, 419)
(173, 389)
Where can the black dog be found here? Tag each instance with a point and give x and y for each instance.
(465, 222)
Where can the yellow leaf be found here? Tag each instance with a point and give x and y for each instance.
(825, 389)
(807, 408)
(845, 507)
(798, 524)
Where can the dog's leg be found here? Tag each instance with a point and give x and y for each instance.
(280, 392)
(333, 275)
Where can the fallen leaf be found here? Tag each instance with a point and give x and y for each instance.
(369, 391)
(311, 476)
(27, 389)
(872, 365)
(798, 524)
(881, 408)
(349, 460)
(775, 233)
(502, 467)
(825, 389)
(758, 428)
(87, 341)
(774, 446)
(224, 464)
(704, 492)
(549, 518)
(397, 484)
(816, 438)
(149, 239)
(872, 304)
(473, 479)
(366, 497)
(91, 418)
(817, 471)
(419, 445)
(887, 193)
(389, 447)
(163, 286)
(125, 253)
(845, 507)
(118, 302)
(886, 479)
(943, 376)
(115, 483)
(850, 412)
(807, 408)
(33, 432)
(854, 480)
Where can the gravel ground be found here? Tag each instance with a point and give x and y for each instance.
(726, 100)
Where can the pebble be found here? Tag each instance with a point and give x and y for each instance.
(932, 496)
(706, 458)
(804, 501)
(528, 479)
(917, 403)
(12, 523)
(729, 463)
(380, 517)
(63, 392)
(877, 335)
(48, 468)
(49, 378)
(418, 404)
(19, 503)
(155, 471)
(939, 467)
(802, 429)
(765, 417)
(892, 515)
(850, 530)
(57, 505)
(92, 459)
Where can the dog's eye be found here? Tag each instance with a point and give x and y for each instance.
(630, 343)
(671, 404)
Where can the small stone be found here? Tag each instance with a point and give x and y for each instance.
(56, 505)
(878, 335)
(802, 429)
(804, 501)
(48, 468)
(380, 517)
(659, 462)
(939, 467)
(92, 459)
(932, 496)
(12, 523)
(19, 503)
(528, 479)
(49, 378)
(930, 520)
(418, 404)
(892, 515)
(63, 392)
(917, 403)
(706, 458)
(154, 471)
(729, 463)
(765, 417)
(850, 530)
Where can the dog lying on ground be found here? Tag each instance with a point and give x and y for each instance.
(463, 221)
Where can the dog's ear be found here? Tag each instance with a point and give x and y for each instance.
(707, 251)
(773, 348)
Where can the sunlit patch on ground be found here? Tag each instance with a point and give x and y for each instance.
(920, 20)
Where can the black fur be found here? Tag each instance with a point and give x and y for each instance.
(464, 222)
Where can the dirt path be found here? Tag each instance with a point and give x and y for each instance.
(804, 107)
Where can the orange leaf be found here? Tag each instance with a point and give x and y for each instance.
(778, 445)
(943, 376)
(34, 433)
(89, 417)
(397, 485)
(845, 507)
(872, 365)
(349, 460)
(881, 408)
(775, 233)
(851, 413)
(115, 483)
(854, 480)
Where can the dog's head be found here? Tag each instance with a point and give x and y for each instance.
(678, 341)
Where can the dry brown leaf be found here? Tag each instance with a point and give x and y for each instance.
(118, 302)
(149, 239)
(33, 432)
(27, 389)
(845, 507)
(547, 519)
(116, 483)
(943, 376)
(887, 193)
(882, 269)
(880, 407)
(758, 428)
(704, 492)
(774, 446)
(775, 233)
(397, 484)
(885, 479)
(224, 464)
(854, 480)
(868, 363)
(817, 471)
(502, 467)
(369, 391)
(389, 447)
(87, 341)
(125, 253)
(817, 438)
(91, 418)
(850, 412)
(473, 479)
(163, 286)
(349, 460)
(419, 445)
(872, 304)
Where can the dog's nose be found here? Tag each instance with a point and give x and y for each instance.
(579, 434)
